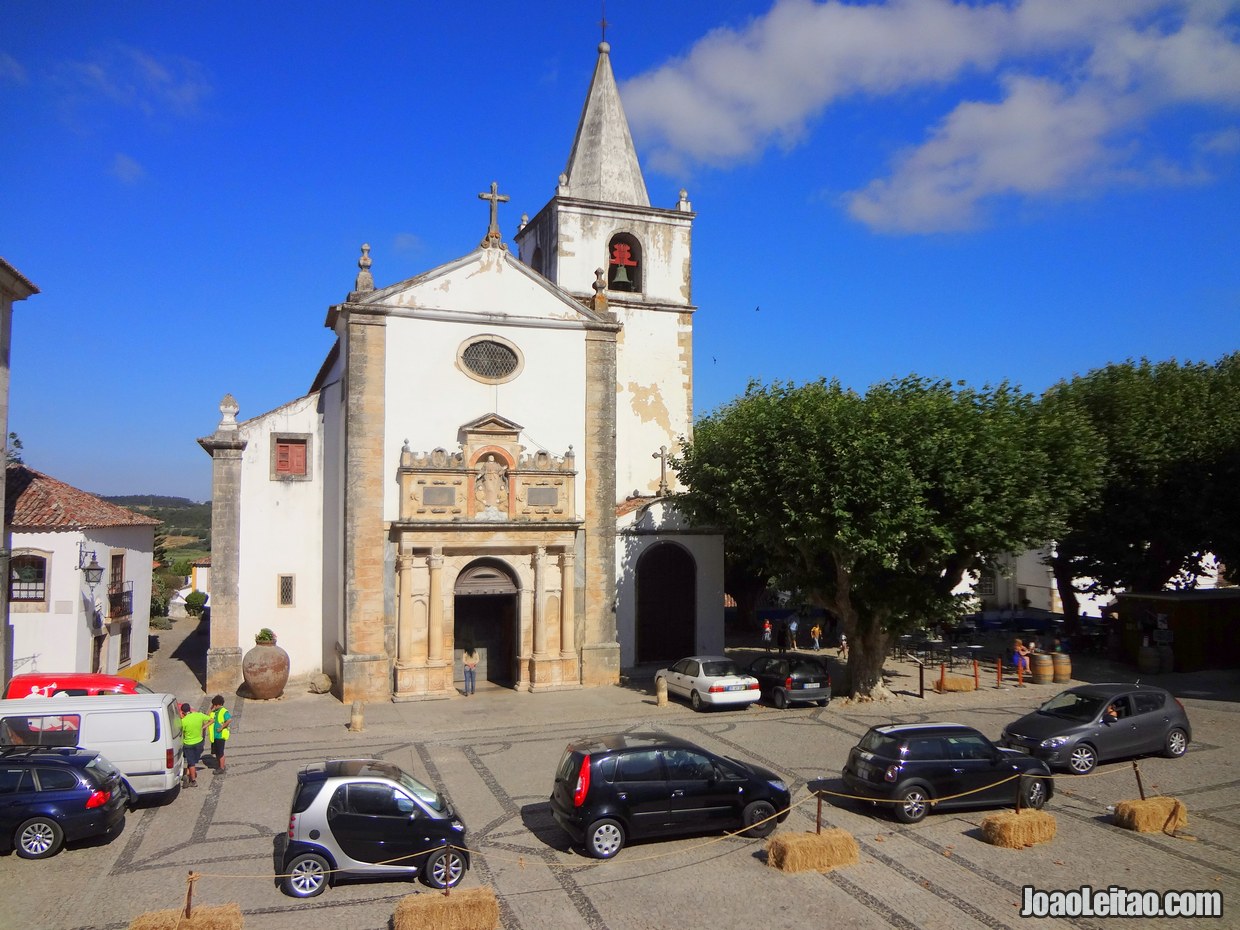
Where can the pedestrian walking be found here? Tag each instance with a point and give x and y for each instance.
(815, 633)
(766, 633)
(842, 651)
(221, 723)
(194, 725)
(792, 632)
(782, 637)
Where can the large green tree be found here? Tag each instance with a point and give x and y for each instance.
(877, 505)
(1168, 493)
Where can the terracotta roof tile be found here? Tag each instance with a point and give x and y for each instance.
(33, 500)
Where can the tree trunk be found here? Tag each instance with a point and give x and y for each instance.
(867, 651)
(1064, 581)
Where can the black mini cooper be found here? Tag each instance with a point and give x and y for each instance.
(923, 765)
(624, 786)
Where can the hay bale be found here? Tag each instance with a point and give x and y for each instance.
(812, 852)
(469, 909)
(217, 917)
(1013, 830)
(1151, 815)
(955, 683)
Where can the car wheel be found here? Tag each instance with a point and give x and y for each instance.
(695, 701)
(1033, 793)
(39, 838)
(1083, 759)
(1177, 744)
(444, 869)
(912, 805)
(604, 838)
(822, 702)
(779, 698)
(306, 876)
(759, 818)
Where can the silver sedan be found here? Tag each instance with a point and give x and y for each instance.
(710, 681)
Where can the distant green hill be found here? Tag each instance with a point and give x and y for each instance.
(179, 516)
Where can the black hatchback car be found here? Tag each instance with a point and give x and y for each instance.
(1083, 726)
(611, 789)
(366, 818)
(791, 679)
(923, 765)
(53, 795)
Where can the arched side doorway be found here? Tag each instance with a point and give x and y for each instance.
(485, 615)
(666, 603)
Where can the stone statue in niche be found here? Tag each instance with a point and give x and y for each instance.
(492, 488)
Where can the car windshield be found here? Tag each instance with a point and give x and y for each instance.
(103, 767)
(880, 744)
(420, 791)
(807, 667)
(719, 669)
(1072, 705)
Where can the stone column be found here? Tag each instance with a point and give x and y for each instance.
(600, 651)
(540, 620)
(568, 600)
(434, 638)
(404, 615)
(225, 447)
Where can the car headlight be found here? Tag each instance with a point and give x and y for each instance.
(1054, 742)
(778, 784)
(457, 825)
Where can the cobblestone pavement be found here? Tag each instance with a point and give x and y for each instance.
(495, 755)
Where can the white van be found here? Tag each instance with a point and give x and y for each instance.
(139, 733)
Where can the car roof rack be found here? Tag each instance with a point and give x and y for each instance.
(9, 750)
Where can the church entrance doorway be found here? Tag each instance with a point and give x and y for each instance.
(485, 616)
(666, 604)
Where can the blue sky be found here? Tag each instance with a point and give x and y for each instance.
(980, 191)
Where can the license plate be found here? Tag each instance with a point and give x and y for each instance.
(810, 684)
(736, 687)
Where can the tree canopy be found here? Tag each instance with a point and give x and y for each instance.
(876, 505)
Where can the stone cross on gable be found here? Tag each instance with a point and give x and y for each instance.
(496, 198)
(661, 455)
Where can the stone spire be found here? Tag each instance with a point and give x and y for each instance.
(365, 280)
(603, 163)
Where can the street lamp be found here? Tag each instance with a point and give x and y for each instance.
(93, 571)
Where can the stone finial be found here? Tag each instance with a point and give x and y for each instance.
(683, 204)
(228, 411)
(525, 221)
(562, 187)
(598, 302)
(365, 280)
(405, 447)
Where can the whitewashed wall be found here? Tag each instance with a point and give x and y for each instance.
(281, 533)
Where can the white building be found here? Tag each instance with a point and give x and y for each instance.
(59, 621)
(482, 459)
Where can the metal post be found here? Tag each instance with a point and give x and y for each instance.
(942, 677)
(1137, 771)
(818, 822)
(921, 679)
(189, 893)
(977, 676)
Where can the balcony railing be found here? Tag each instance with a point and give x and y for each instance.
(120, 600)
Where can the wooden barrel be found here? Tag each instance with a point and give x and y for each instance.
(1147, 660)
(1063, 667)
(1042, 667)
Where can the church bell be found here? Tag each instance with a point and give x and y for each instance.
(621, 276)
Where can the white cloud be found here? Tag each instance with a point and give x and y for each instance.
(407, 242)
(1072, 86)
(125, 169)
(134, 79)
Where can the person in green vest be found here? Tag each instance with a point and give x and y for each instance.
(194, 725)
(220, 721)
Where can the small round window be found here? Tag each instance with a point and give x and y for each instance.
(489, 359)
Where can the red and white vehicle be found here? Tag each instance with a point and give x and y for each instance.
(77, 684)
(710, 681)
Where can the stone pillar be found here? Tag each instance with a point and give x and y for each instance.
(434, 639)
(225, 447)
(600, 651)
(540, 621)
(404, 615)
(568, 600)
(365, 666)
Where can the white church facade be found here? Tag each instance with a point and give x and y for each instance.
(481, 460)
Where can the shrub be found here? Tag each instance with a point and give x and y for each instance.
(194, 603)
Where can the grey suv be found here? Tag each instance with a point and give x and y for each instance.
(365, 818)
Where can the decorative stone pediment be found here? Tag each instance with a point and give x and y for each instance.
(489, 479)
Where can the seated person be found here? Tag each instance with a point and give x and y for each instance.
(1020, 655)
(1112, 713)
